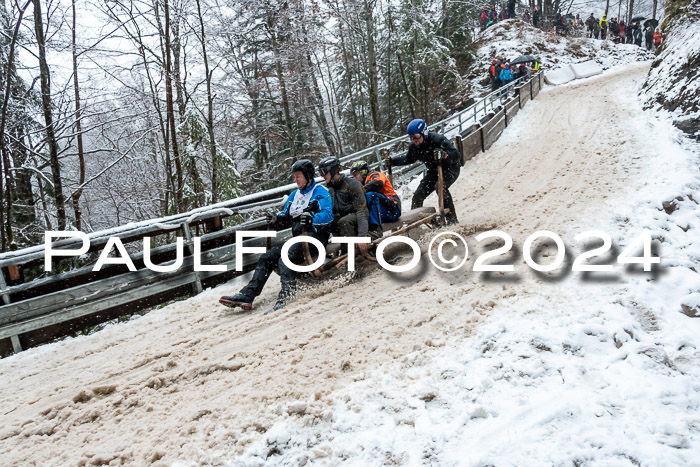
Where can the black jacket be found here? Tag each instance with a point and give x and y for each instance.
(348, 196)
(424, 153)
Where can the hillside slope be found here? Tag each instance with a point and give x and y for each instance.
(673, 84)
(512, 38)
(345, 373)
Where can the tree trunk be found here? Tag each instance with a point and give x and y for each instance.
(349, 83)
(630, 13)
(315, 95)
(653, 11)
(45, 78)
(607, 7)
(78, 129)
(6, 191)
(372, 70)
(210, 110)
(170, 109)
(289, 122)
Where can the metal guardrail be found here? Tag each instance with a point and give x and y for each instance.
(78, 292)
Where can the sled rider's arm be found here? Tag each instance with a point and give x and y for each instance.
(325, 214)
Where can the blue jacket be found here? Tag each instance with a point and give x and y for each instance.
(506, 74)
(325, 215)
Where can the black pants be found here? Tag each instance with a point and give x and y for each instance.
(288, 278)
(430, 184)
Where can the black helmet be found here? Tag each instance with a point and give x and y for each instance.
(360, 166)
(306, 167)
(329, 164)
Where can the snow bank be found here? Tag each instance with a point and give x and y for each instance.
(560, 76)
(586, 69)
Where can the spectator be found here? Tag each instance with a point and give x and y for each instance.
(494, 73)
(506, 74)
(614, 29)
(603, 24)
(483, 18)
(493, 15)
(557, 22)
(649, 36)
(657, 39)
(621, 34)
(592, 25)
(535, 17)
(628, 33)
(526, 16)
(637, 34)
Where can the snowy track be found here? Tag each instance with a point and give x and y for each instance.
(350, 362)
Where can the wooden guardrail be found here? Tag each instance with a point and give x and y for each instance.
(75, 294)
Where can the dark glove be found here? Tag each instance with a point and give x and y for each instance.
(271, 219)
(306, 220)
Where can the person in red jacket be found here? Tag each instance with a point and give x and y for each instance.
(657, 38)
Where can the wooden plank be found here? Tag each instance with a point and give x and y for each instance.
(493, 129)
(472, 144)
(512, 107)
(524, 94)
(535, 88)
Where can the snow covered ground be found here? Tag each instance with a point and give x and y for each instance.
(512, 38)
(431, 368)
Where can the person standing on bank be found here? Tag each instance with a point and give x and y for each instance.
(422, 150)
(308, 211)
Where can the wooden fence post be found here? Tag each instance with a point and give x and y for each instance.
(197, 283)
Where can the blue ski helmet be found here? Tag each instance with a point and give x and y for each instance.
(416, 127)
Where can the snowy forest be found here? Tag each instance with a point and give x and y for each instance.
(118, 111)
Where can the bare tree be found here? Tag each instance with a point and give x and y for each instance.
(47, 106)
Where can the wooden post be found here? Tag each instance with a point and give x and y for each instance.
(379, 158)
(441, 199)
(13, 272)
(197, 283)
(389, 175)
(3, 289)
(309, 259)
(16, 346)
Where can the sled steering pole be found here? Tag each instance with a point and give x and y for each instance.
(438, 154)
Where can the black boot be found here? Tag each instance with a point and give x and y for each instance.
(239, 300)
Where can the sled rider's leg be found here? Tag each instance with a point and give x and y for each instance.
(288, 277)
(265, 266)
(449, 177)
(347, 225)
(426, 186)
(375, 216)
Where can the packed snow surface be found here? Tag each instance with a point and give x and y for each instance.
(460, 368)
